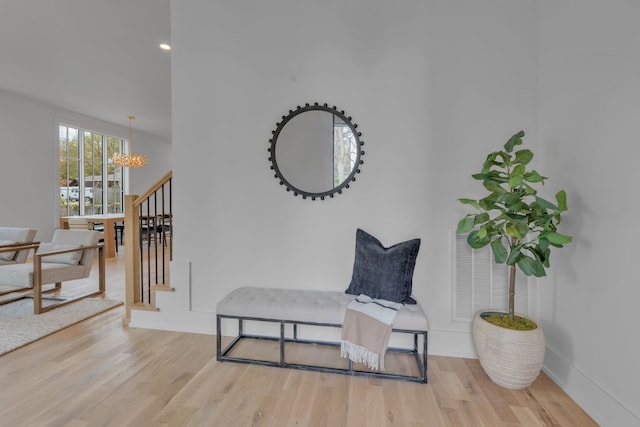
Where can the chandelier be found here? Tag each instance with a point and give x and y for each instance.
(130, 160)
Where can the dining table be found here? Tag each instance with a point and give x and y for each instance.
(108, 220)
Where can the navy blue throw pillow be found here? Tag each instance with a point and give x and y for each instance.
(383, 273)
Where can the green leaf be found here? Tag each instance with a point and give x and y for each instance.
(497, 176)
(523, 157)
(504, 197)
(545, 204)
(478, 176)
(547, 255)
(466, 224)
(544, 243)
(513, 141)
(556, 238)
(515, 254)
(534, 176)
(518, 219)
(493, 186)
(527, 265)
(513, 230)
(510, 197)
(492, 197)
(518, 170)
(471, 202)
(491, 161)
(477, 242)
(501, 160)
(482, 218)
(516, 206)
(531, 266)
(542, 255)
(561, 198)
(488, 203)
(499, 251)
(515, 181)
(523, 229)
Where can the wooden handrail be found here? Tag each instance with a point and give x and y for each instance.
(155, 187)
(18, 246)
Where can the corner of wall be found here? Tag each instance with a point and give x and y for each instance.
(604, 408)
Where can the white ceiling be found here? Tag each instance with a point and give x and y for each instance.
(95, 57)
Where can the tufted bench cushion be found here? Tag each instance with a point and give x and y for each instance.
(309, 306)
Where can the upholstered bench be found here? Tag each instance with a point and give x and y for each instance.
(316, 308)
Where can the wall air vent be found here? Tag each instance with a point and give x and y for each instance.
(479, 283)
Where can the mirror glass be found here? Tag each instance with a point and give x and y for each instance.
(316, 151)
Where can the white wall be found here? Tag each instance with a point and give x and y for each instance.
(589, 113)
(29, 160)
(433, 87)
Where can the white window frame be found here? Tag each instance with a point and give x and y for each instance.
(106, 160)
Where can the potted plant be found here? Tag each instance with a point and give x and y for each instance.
(521, 228)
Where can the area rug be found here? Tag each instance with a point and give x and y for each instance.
(19, 326)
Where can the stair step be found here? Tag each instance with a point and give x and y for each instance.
(162, 288)
(144, 307)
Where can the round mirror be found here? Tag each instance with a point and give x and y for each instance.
(316, 151)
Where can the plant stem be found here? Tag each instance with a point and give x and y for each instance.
(512, 284)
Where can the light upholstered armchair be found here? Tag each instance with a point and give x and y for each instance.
(15, 245)
(69, 256)
(14, 236)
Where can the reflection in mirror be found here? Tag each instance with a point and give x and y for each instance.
(316, 151)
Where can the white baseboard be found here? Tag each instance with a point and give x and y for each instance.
(451, 343)
(188, 321)
(604, 408)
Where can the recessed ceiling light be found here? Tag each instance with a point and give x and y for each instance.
(165, 46)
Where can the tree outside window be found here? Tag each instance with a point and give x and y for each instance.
(93, 185)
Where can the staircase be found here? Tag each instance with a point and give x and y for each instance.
(148, 242)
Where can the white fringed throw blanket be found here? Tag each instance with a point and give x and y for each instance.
(366, 330)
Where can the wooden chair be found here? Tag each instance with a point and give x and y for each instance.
(69, 256)
(118, 230)
(164, 225)
(85, 224)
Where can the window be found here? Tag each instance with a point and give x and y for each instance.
(89, 182)
(345, 151)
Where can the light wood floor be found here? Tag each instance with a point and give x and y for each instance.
(100, 373)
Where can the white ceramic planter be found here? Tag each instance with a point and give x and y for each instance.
(511, 358)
